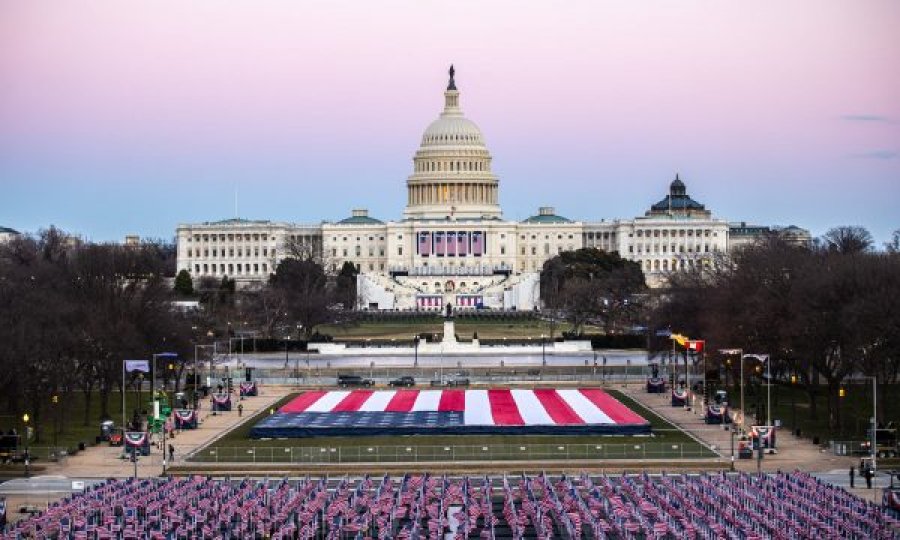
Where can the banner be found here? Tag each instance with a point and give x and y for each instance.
(462, 243)
(137, 365)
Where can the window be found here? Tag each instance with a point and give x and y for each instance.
(334, 252)
(502, 250)
(399, 250)
(345, 252)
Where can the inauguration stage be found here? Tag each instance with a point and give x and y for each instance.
(502, 411)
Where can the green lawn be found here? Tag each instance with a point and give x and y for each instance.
(856, 410)
(70, 412)
(529, 328)
(667, 441)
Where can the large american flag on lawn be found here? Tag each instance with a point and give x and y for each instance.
(540, 410)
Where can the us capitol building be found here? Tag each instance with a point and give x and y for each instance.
(452, 244)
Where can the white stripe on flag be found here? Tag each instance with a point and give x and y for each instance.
(328, 401)
(378, 401)
(530, 408)
(478, 409)
(427, 400)
(588, 412)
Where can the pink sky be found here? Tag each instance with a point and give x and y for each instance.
(760, 106)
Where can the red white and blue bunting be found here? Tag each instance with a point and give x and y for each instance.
(186, 419)
(656, 385)
(679, 397)
(221, 402)
(249, 389)
(717, 414)
(765, 434)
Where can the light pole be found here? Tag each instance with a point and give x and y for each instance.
(740, 353)
(543, 351)
(416, 351)
(25, 419)
(153, 388)
(874, 420)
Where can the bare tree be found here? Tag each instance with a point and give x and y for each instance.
(848, 239)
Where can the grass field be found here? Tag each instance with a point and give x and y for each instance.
(791, 405)
(530, 328)
(667, 441)
(70, 412)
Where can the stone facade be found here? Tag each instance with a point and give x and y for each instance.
(452, 245)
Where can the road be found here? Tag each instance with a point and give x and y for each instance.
(361, 360)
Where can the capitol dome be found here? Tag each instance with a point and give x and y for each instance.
(452, 176)
(453, 131)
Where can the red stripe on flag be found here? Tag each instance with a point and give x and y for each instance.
(402, 401)
(504, 408)
(560, 411)
(352, 401)
(452, 401)
(302, 402)
(611, 407)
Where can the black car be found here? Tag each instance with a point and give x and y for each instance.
(345, 381)
(406, 381)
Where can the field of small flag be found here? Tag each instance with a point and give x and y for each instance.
(708, 506)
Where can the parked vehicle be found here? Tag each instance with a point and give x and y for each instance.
(452, 381)
(346, 381)
(405, 381)
(886, 440)
(9, 446)
(116, 437)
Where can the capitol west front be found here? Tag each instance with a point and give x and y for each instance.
(452, 244)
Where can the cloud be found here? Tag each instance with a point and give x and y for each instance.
(878, 154)
(867, 118)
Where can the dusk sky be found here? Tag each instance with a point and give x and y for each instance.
(121, 117)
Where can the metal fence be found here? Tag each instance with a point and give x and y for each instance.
(454, 453)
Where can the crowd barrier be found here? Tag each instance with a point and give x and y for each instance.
(441, 453)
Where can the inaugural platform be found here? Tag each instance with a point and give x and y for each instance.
(546, 411)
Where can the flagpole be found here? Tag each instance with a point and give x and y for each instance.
(123, 398)
(769, 392)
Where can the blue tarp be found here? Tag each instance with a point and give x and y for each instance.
(317, 424)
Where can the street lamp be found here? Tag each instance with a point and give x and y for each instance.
(153, 389)
(874, 420)
(25, 419)
(740, 353)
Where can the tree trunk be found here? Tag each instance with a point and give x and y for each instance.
(88, 393)
(813, 407)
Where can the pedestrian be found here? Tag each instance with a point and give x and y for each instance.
(240, 409)
(171, 453)
(852, 476)
(869, 475)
